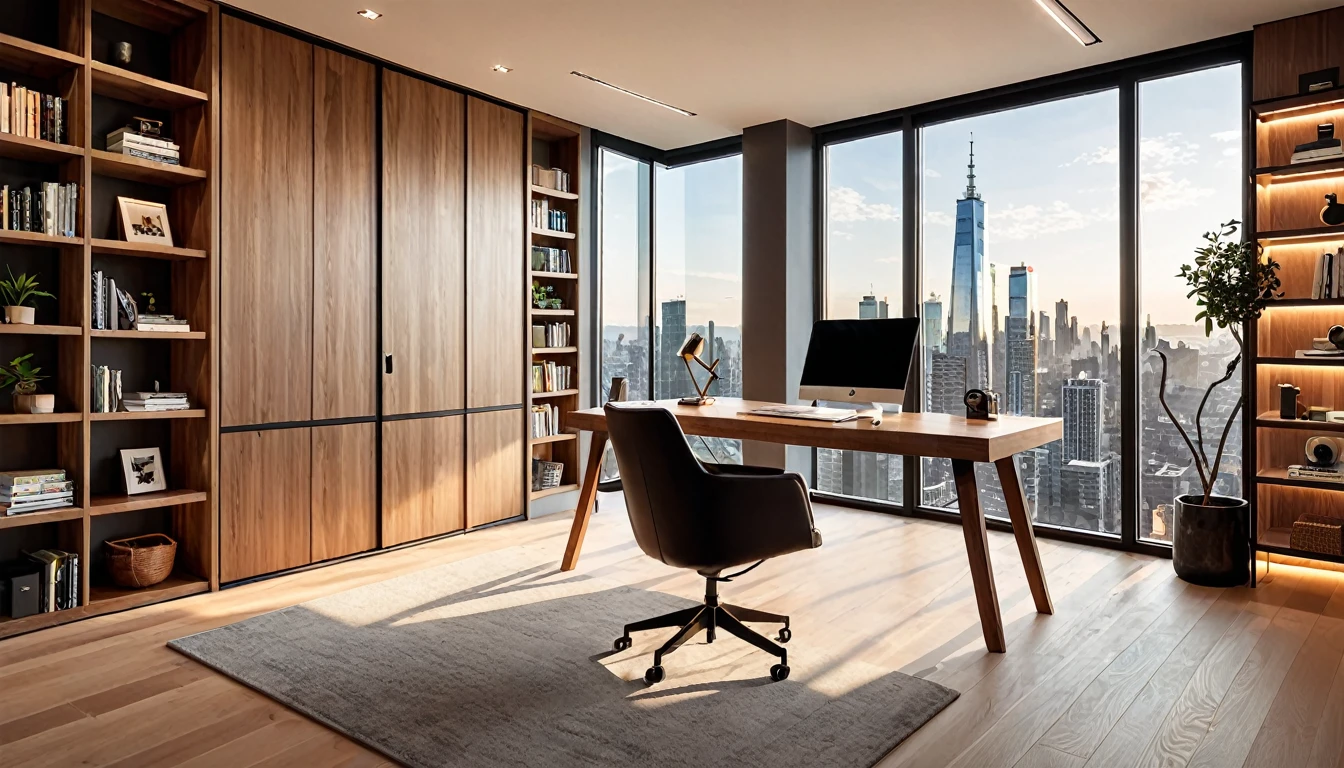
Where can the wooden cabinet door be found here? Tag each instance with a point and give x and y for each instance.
(422, 478)
(345, 240)
(345, 490)
(496, 282)
(266, 226)
(264, 513)
(494, 466)
(423, 246)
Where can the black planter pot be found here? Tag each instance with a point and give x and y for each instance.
(1210, 545)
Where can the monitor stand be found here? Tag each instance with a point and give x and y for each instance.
(873, 411)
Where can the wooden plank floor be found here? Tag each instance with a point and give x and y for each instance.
(1136, 668)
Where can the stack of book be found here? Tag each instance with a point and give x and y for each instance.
(1328, 280)
(106, 390)
(59, 580)
(1318, 474)
(550, 335)
(126, 141)
(545, 420)
(51, 209)
(162, 324)
(550, 260)
(550, 178)
(550, 377)
(155, 402)
(1321, 149)
(33, 115)
(34, 491)
(113, 309)
(546, 217)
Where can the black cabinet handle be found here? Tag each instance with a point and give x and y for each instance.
(387, 363)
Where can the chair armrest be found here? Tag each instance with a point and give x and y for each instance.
(740, 470)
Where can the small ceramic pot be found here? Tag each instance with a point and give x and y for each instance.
(21, 315)
(34, 403)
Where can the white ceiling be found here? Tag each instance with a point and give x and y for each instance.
(738, 63)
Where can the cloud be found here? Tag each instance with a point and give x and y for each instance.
(930, 173)
(884, 185)
(1231, 151)
(1226, 136)
(841, 235)
(1159, 191)
(1166, 151)
(1025, 222)
(939, 218)
(847, 205)
(1099, 156)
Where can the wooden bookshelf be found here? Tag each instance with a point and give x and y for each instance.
(554, 143)
(181, 90)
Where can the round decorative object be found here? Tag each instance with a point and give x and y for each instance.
(1210, 545)
(779, 672)
(654, 675)
(785, 635)
(141, 561)
(121, 54)
(974, 399)
(1336, 336)
(621, 644)
(1333, 212)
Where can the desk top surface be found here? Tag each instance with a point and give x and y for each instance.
(935, 435)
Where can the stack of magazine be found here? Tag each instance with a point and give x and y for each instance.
(155, 401)
(34, 491)
(128, 142)
(1319, 474)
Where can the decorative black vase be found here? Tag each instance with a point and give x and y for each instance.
(1210, 545)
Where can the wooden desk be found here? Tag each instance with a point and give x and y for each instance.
(932, 435)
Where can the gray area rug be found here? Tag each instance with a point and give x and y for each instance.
(501, 660)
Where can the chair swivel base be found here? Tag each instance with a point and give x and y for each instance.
(707, 618)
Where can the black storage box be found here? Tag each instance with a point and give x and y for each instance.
(20, 589)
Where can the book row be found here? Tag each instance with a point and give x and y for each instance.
(546, 217)
(1328, 278)
(33, 115)
(545, 421)
(551, 377)
(39, 582)
(550, 335)
(117, 310)
(52, 209)
(106, 395)
(550, 178)
(551, 260)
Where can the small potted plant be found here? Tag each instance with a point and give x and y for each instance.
(1232, 281)
(18, 294)
(24, 377)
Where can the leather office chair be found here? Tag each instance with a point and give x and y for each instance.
(707, 518)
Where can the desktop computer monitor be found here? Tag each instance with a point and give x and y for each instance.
(859, 361)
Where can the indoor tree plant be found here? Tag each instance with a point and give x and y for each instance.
(21, 373)
(1231, 281)
(18, 295)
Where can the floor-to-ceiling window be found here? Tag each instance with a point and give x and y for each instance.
(863, 237)
(1190, 165)
(1021, 248)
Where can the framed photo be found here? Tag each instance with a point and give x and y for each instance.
(144, 471)
(144, 222)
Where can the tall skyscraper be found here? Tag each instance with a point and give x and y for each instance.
(1149, 334)
(673, 380)
(1020, 333)
(933, 323)
(1063, 336)
(1083, 402)
(968, 304)
(870, 308)
(947, 383)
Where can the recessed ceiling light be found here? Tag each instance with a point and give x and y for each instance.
(639, 96)
(1071, 23)
(369, 14)
(502, 68)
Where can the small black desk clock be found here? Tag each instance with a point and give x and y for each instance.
(690, 350)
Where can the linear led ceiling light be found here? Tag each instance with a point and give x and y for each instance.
(1071, 23)
(639, 96)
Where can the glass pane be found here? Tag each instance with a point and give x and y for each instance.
(698, 283)
(1189, 182)
(623, 209)
(1021, 259)
(863, 279)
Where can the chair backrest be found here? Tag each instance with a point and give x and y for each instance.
(663, 481)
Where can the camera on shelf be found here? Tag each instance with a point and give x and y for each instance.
(1324, 451)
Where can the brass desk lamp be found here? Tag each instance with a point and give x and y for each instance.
(690, 350)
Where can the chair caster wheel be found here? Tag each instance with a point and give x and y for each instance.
(621, 644)
(655, 675)
(785, 635)
(777, 672)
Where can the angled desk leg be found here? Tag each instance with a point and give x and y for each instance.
(977, 549)
(1026, 537)
(587, 495)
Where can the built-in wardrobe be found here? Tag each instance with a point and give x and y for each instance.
(372, 306)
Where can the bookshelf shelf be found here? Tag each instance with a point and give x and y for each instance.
(1306, 303)
(129, 86)
(1269, 110)
(144, 171)
(38, 518)
(1323, 362)
(37, 151)
(12, 329)
(554, 275)
(157, 15)
(145, 250)
(547, 191)
(554, 350)
(537, 232)
(1314, 170)
(1279, 476)
(564, 488)
(166, 336)
(34, 59)
(558, 393)
(10, 419)
(1271, 420)
(560, 438)
(111, 505)
(1278, 540)
(552, 313)
(1304, 236)
(14, 237)
(194, 413)
(112, 598)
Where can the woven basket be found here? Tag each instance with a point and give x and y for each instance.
(141, 561)
(1318, 533)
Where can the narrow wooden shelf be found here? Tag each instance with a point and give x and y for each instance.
(552, 233)
(555, 275)
(15, 237)
(162, 16)
(1306, 236)
(113, 598)
(111, 505)
(38, 418)
(557, 393)
(126, 85)
(560, 438)
(552, 313)
(14, 329)
(1271, 420)
(566, 488)
(1326, 362)
(1279, 542)
(36, 150)
(553, 350)
(165, 335)
(1315, 169)
(34, 59)
(1268, 110)
(193, 413)
(144, 171)
(1279, 476)
(1305, 303)
(145, 250)
(38, 518)
(547, 191)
